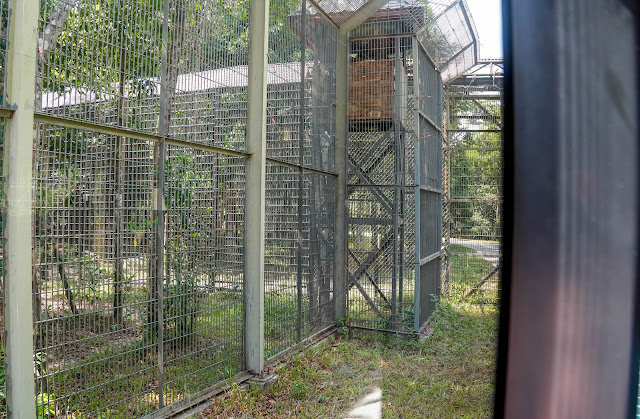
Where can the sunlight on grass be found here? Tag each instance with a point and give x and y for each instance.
(448, 375)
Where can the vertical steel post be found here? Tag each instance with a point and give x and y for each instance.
(256, 141)
(342, 133)
(417, 162)
(303, 64)
(160, 149)
(20, 92)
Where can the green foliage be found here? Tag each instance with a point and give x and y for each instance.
(475, 172)
(181, 306)
(299, 390)
(45, 405)
(85, 49)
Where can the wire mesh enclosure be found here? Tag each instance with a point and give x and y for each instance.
(139, 187)
(473, 184)
(141, 154)
(394, 160)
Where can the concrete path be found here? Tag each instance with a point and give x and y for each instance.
(487, 250)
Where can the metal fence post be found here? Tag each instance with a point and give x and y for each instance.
(256, 141)
(20, 90)
(342, 132)
(417, 162)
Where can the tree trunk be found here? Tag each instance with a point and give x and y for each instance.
(65, 281)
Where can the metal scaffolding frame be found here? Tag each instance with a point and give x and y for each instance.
(397, 59)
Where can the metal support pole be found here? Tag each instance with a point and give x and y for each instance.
(20, 91)
(416, 191)
(159, 155)
(300, 247)
(256, 141)
(342, 133)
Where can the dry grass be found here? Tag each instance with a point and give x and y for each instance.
(450, 374)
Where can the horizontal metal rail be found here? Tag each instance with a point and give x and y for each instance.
(393, 332)
(475, 130)
(376, 185)
(474, 148)
(129, 133)
(144, 136)
(428, 118)
(201, 397)
(304, 343)
(297, 166)
(475, 97)
(431, 257)
(477, 199)
(430, 189)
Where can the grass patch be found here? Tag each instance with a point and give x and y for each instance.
(466, 273)
(450, 374)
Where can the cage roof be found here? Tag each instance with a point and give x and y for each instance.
(445, 29)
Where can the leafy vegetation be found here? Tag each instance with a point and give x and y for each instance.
(475, 170)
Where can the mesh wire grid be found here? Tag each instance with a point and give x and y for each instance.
(299, 204)
(94, 325)
(389, 127)
(97, 247)
(472, 208)
(102, 255)
(450, 40)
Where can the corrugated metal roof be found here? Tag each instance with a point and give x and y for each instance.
(222, 78)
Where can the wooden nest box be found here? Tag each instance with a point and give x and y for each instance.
(371, 90)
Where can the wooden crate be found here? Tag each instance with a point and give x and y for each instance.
(371, 90)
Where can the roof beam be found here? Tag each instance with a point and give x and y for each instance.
(362, 14)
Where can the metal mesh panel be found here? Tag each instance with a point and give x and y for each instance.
(394, 117)
(430, 207)
(284, 272)
(400, 17)
(139, 196)
(100, 328)
(300, 131)
(321, 251)
(85, 344)
(287, 90)
(298, 256)
(203, 292)
(430, 149)
(472, 208)
(429, 82)
(450, 40)
(381, 258)
(429, 289)
(340, 10)
(380, 168)
(91, 72)
(320, 108)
